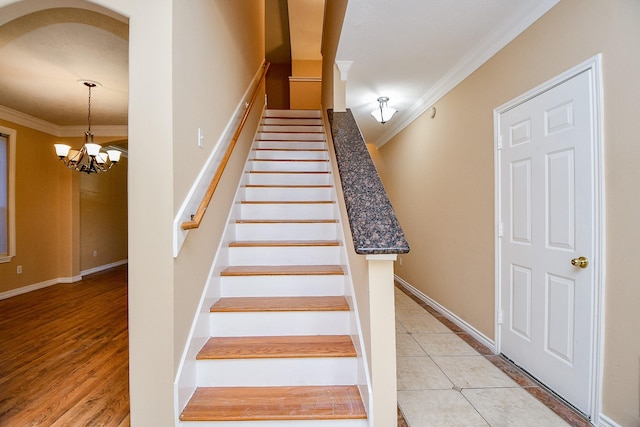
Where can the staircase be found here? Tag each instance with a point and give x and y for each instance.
(281, 329)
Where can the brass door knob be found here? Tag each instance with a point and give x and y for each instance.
(581, 262)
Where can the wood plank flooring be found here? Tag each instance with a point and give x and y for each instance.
(64, 354)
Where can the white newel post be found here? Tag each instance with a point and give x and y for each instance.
(383, 339)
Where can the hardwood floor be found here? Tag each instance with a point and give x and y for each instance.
(64, 354)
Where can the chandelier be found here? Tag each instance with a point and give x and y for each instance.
(383, 113)
(89, 158)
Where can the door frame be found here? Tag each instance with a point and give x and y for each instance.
(593, 67)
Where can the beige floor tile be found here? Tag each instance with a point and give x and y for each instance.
(444, 345)
(400, 329)
(407, 346)
(473, 372)
(416, 323)
(420, 373)
(512, 407)
(438, 408)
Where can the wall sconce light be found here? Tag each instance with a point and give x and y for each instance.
(383, 113)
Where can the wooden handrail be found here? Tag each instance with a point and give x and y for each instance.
(196, 218)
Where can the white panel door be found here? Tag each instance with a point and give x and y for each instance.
(547, 215)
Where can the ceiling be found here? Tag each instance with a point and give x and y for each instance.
(412, 51)
(51, 52)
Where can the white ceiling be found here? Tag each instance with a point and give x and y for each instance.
(47, 54)
(412, 51)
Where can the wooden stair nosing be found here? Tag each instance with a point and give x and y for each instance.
(273, 304)
(292, 131)
(292, 172)
(282, 347)
(288, 186)
(314, 150)
(291, 160)
(286, 202)
(283, 270)
(286, 221)
(274, 403)
(282, 243)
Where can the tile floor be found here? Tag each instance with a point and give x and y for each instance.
(447, 378)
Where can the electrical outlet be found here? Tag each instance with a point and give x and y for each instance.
(95, 253)
(400, 260)
(19, 269)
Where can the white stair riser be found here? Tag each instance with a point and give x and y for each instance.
(287, 121)
(288, 194)
(297, 127)
(295, 144)
(279, 423)
(282, 286)
(276, 255)
(287, 231)
(293, 154)
(322, 178)
(277, 372)
(236, 324)
(287, 211)
(316, 114)
(289, 166)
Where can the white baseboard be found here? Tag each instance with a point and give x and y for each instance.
(479, 336)
(28, 288)
(103, 267)
(604, 421)
(51, 282)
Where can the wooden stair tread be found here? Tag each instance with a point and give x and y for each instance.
(285, 202)
(274, 403)
(291, 160)
(282, 270)
(291, 149)
(286, 221)
(282, 243)
(292, 172)
(277, 347)
(253, 304)
(288, 186)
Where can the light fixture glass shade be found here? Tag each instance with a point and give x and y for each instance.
(92, 149)
(62, 150)
(114, 155)
(383, 113)
(101, 158)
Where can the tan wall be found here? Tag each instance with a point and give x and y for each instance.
(278, 86)
(304, 95)
(306, 68)
(439, 174)
(334, 17)
(43, 202)
(229, 47)
(103, 216)
(62, 216)
(305, 86)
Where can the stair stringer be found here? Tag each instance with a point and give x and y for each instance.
(187, 374)
(185, 382)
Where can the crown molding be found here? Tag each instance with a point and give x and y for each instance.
(59, 131)
(483, 51)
